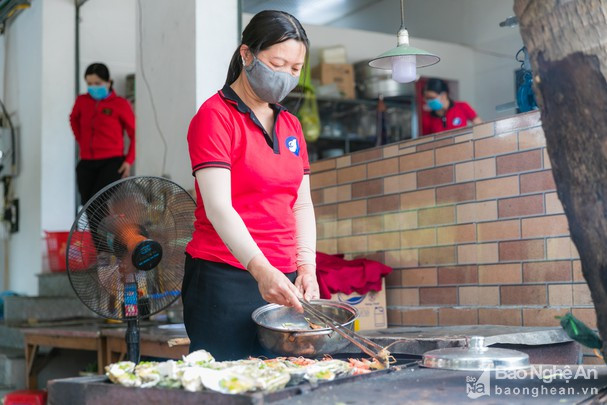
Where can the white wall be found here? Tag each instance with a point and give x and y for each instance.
(22, 96)
(107, 35)
(184, 57)
(457, 62)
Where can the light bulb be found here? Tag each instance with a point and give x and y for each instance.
(403, 68)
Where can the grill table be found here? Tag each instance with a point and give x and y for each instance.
(408, 385)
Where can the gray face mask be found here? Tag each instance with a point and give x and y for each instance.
(269, 85)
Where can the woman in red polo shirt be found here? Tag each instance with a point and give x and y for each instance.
(255, 234)
(442, 113)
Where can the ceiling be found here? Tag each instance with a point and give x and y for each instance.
(473, 23)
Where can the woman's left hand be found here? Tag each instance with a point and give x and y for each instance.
(306, 282)
(125, 170)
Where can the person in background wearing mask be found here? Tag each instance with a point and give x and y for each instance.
(442, 113)
(99, 120)
(255, 235)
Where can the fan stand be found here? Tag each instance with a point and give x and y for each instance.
(131, 312)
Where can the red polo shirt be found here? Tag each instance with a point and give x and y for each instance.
(266, 172)
(457, 116)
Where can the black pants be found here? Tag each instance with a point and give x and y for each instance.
(92, 176)
(218, 300)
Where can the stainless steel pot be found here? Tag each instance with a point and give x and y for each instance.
(285, 332)
(371, 82)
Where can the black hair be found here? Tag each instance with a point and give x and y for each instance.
(100, 70)
(266, 28)
(436, 85)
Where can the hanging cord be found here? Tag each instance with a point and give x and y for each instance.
(147, 84)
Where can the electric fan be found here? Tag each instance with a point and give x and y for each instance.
(126, 250)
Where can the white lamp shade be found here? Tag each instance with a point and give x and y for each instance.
(404, 68)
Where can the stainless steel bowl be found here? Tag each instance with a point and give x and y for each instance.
(285, 332)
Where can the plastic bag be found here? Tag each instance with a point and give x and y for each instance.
(309, 118)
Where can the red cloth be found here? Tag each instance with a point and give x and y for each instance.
(336, 274)
(457, 116)
(99, 126)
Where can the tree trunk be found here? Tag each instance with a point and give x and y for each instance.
(566, 40)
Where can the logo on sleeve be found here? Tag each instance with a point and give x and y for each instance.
(293, 145)
(457, 121)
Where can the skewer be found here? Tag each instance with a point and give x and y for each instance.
(372, 349)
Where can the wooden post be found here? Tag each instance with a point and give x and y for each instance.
(567, 43)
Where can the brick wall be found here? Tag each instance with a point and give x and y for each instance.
(469, 220)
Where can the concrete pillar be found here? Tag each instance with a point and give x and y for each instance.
(182, 58)
(39, 93)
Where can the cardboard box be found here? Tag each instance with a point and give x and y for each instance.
(372, 312)
(342, 74)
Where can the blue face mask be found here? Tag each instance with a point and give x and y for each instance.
(98, 92)
(435, 104)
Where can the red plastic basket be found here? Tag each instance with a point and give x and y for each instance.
(82, 251)
(56, 244)
(26, 397)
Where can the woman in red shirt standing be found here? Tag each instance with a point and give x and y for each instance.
(99, 120)
(255, 235)
(442, 113)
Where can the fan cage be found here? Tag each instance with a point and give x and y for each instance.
(98, 261)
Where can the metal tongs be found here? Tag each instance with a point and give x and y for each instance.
(367, 346)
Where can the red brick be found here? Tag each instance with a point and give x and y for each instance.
(417, 199)
(496, 145)
(456, 193)
(493, 188)
(317, 196)
(403, 182)
(542, 272)
(437, 255)
(367, 188)
(457, 275)
(521, 250)
(500, 274)
(531, 138)
(455, 153)
(523, 295)
(418, 237)
(483, 130)
(555, 225)
(438, 296)
(509, 317)
(420, 317)
(577, 271)
(434, 145)
(352, 209)
(521, 206)
(366, 155)
(323, 179)
(539, 181)
(499, 230)
(395, 317)
(476, 212)
(326, 212)
(368, 224)
(479, 296)
(350, 174)
(452, 316)
(434, 177)
(383, 167)
(322, 165)
(383, 204)
(393, 279)
(328, 246)
(477, 253)
(416, 161)
(581, 295)
(419, 277)
(352, 244)
(383, 241)
(436, 216)
(519, 162)
(586, 315)
(542, 316)
(448, 235)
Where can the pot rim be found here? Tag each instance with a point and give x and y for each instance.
(270, 307)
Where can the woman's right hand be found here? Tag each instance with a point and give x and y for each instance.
(273, 285)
